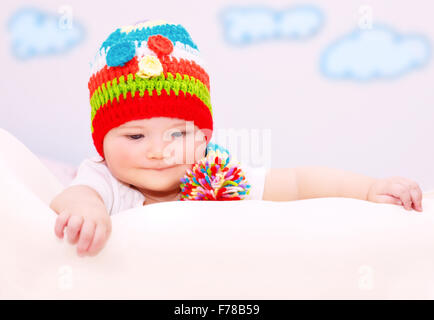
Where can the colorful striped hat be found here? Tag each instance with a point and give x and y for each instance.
(150, 69)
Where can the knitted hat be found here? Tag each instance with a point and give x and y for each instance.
(150, 69)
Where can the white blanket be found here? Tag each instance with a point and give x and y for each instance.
(320, 248)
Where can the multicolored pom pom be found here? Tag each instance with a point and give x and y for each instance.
(215, 177)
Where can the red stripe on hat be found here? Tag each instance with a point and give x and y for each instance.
(109, 73)
(169, 64)
(113, 114)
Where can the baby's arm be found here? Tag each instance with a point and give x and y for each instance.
(286, 184)
(315, 182)
(82, 210)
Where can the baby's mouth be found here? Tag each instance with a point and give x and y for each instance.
(161, 168)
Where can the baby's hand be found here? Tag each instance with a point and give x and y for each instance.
(89, 227)
(397, 190)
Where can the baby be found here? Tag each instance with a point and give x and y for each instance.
(151, 120)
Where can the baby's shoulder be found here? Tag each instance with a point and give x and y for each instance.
(94, 168)
(95, 162)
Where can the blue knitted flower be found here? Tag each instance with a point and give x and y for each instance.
(120, 53)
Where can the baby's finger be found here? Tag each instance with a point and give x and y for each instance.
(73, 229)
(421, 197)
(415, 192)
(98, 240)
(86, 236)
(416, 197)
(61, 222)
(382, 198)
(397, 201)
(401, 192)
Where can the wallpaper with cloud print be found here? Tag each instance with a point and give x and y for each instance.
(36, 33)
(373, 53)
(370, 52)
(249, 25)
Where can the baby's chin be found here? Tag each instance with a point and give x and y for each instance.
(159, 186)
(165, 180)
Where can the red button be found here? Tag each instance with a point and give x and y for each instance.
(160, 45)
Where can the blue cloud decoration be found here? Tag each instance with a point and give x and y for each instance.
(252, 24)
(379, 52)
(37, 33)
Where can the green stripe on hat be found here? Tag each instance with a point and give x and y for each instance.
(113, 89)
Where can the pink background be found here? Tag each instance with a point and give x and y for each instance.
(380, 128)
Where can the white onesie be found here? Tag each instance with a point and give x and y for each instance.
(119, 196)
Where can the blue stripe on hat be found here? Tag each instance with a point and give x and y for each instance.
(170, 31)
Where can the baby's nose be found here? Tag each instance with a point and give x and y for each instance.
(155, 155)
(156, 149)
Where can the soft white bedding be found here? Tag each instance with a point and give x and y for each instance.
(319, 248)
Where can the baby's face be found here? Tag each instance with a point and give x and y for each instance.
(153, 154)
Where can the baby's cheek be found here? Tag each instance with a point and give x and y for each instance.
(182, 170)
(199, 152)
(179, 155)
(184, 154)
(194, 152)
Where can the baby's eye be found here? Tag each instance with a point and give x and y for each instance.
(135, 136)
(178, 134)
